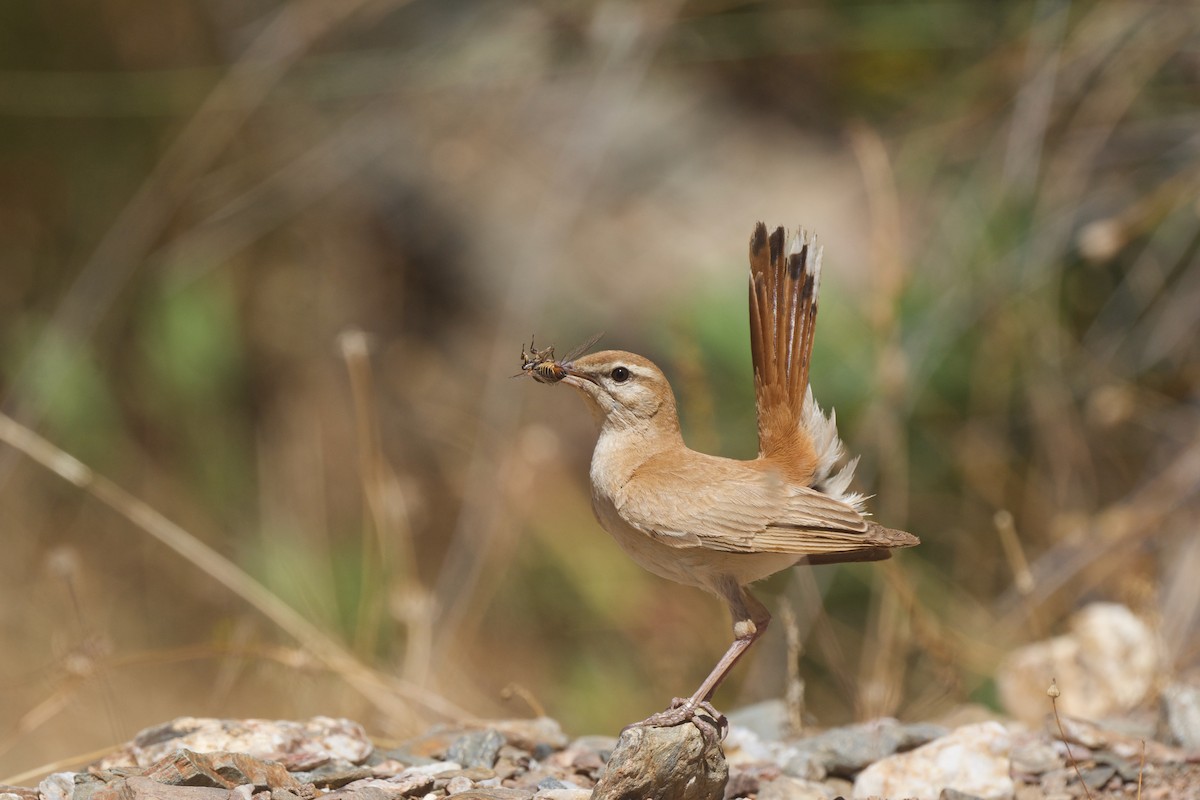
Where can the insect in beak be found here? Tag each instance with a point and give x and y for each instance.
(544, 368)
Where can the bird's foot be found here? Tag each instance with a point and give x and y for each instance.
(711, 723)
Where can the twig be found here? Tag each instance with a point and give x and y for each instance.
(517, 690)
(794, 692)
(1053, 692)
(389, 512)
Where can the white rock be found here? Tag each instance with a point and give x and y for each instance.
(459, 784)
(563, 794)
(787, 788)
(57, 786)
(972, 760)
(1181, 703)
(1105, 665)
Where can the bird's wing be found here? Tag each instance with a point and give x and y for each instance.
(785, 279)
(695, 500)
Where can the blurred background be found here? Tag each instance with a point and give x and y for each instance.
(266, 268)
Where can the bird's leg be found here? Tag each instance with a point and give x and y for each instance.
(750, 619)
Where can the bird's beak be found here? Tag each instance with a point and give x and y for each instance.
(577, 378)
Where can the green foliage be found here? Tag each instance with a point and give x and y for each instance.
(71, 391)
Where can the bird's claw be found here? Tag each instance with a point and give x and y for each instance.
(711, 723)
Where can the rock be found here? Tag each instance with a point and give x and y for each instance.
(805, 765)
(531, 734)
(1181, 713)
(20, 792)
(564, 794)
(57, 786)
(1105, 665)
(1035, 757)
(139, 788)
(477, 748)
(786, 788)
(744, 746)
(973, 760)
(334, 774)
(768, 719)
(221, 770)
(459, 784)
(495, 793)
(1095, 737)
(297, 745)
(1095, 777)
(845, 751)
(416, 785)
(601, 746)
(954, 794)
(674, 763)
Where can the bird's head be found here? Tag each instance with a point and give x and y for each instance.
(623, 389)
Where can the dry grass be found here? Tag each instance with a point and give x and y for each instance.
(270, 291)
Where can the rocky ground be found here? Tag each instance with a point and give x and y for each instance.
(332, 759)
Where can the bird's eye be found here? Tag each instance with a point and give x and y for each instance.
(620, 374)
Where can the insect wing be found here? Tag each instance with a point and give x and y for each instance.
(581, 349)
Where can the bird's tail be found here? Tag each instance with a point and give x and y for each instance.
(785, 280)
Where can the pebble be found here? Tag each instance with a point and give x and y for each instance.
(532, 760)
(1035, 757)
(477, 748)
(973, 760)
(846, 751)
(459, 784)
(57, 786)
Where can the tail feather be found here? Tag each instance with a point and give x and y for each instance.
(784, 285)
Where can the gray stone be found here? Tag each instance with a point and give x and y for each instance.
(805, 765)
(768, 719)
(477, 748)
(1095, 777)
(674, 763)
(334, 775)
(1035, 757)
(915, 734)
(846, 751)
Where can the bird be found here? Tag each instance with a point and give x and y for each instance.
(716, 523)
